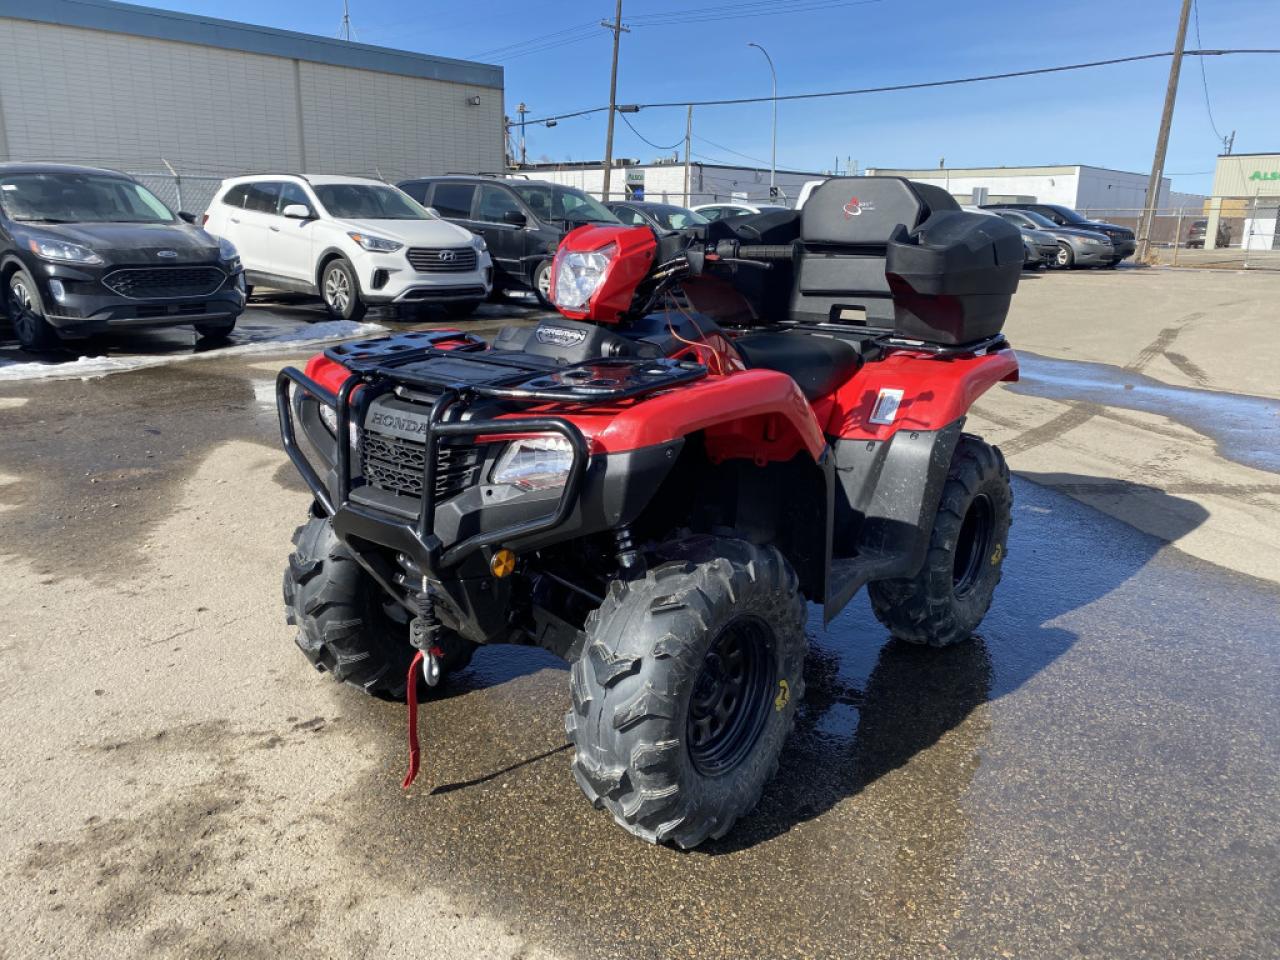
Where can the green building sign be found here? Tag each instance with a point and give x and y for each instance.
(1265, 175)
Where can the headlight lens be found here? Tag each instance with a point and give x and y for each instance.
(534, 463)
(579, 275)
(50, 249)
(478, 242)
(227, 250)
(329, 417)
(376, 244)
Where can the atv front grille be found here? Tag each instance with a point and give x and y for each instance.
(442, 259)
(396, 465)
(146, 283)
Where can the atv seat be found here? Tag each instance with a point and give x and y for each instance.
(818, 365)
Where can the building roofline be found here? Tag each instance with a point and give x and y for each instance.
(1273, 153)
(925, 171)
(599, 164)
(158, 24)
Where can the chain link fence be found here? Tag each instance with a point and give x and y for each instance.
(1225, 233)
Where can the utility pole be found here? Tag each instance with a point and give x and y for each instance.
(618, 30)
(522, 110)
(688, 143)
(1162, 139)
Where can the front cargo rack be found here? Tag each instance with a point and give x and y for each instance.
(453, 377)
(417, 360)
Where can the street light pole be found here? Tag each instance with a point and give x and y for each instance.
(773, 156)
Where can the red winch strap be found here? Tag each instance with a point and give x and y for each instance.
(411, 694)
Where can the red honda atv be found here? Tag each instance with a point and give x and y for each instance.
(727, 422)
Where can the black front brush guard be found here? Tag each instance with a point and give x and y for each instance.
(418, 539)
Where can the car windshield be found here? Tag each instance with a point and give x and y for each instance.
(562, 203)
(1039, 219)
(1067, 214)
(366, 201)
(79, 198)
(675, 218)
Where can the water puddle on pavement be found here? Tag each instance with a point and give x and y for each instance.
(1246, 429)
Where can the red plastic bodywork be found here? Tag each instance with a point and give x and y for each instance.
(634, 250)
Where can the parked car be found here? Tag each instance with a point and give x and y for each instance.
(660, 216)
(1196, 233)
(1039, 247)
(722, 211)
(523, 221)
(1074, 248)
(84, 251)
(352, 241)
(1121, 238)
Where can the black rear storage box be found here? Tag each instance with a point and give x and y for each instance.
(903, 258)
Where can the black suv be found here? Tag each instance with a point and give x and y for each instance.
(84, 250)
(522, 221)
(1121, 237)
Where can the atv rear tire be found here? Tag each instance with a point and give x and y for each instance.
(687, 689)
(944, 603)
(347, 625)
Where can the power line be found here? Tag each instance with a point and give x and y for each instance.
(535, 41)
(646, 139)
(918, 86)
(1204, 80)
(741, 11)
(721, 146)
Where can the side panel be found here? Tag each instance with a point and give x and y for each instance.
(936, 391)
(758, 414)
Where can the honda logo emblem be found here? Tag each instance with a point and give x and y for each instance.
(448, 256)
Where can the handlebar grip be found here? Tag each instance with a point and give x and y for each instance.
(766, 251)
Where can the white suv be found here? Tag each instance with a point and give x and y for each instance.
(355, 242)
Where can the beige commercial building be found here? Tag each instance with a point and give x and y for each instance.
(142, 89)
(1246, 192)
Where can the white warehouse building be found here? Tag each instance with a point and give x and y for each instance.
(145, 90)
(1096, 190)
(664, 181)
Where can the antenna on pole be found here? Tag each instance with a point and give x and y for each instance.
(344, 32)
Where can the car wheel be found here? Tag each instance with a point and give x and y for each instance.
(26, 313)
(341, 291)
(1066, 258)
(542, 284)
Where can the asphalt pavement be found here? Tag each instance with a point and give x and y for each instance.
(1096, 775)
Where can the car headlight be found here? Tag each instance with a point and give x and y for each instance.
(50, 249)
(534, 463)
(227, 250)
(579, 275)
(478, 242)
(376, 244)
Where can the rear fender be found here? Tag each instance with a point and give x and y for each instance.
(935, 392)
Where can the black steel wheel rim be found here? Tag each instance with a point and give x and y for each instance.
(973, 544)
(731, 696)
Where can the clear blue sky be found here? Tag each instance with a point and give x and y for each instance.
(1106, 116)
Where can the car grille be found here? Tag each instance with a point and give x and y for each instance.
(146, 283)
(396, 465)
(442, 259)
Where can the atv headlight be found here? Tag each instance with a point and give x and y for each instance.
(375, 244)
(534, 463)
(49, 249)
(579, 275)
(329, 417)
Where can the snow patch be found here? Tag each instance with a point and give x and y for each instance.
(84, 368)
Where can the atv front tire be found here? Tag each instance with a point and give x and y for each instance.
(944, 603)
(687, 688)
(347, 625)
